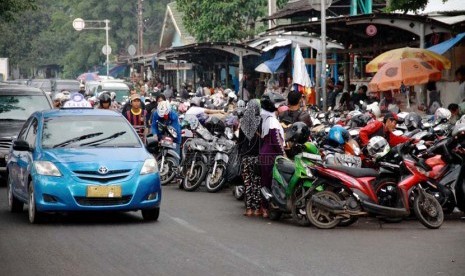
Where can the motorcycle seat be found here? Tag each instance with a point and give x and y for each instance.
(355, 172)
(286, 168)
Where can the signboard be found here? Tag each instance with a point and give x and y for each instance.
(176, 66)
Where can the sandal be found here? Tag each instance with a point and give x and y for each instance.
(258, 213)
(248, 213)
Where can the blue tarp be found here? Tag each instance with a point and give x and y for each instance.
(443, 47)
(278, 59)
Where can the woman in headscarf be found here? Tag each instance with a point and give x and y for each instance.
(249, 147)
(272, 136)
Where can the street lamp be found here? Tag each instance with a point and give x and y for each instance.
(322, 5)
(79, 24)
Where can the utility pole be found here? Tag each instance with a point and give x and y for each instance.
(140, 28)
(271, 11)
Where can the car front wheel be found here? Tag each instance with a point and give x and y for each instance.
(34, 216)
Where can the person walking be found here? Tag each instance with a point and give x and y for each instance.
(272, 135)
(249, 149)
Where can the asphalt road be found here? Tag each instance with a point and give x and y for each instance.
(206, 234)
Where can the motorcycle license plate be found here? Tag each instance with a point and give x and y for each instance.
(311, 156)
(104, 191)
(348, 160)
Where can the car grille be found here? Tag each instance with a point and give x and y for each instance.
(5, 143)
(104, 201)
(95, 176)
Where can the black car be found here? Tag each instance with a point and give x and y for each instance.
(17, 103)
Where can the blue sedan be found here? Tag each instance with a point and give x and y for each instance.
(81, 160)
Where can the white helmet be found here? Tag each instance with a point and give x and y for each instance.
(442, 114)
(163, 109)
(374, 109)
(240, 104)
(378, 147)
(58, 96)
(232, 95)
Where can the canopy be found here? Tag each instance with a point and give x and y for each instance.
(272, 65)
(443, 47)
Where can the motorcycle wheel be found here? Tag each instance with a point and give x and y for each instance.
(320, 218)
(215, 182)
(428, 211)
(193, 181)
(168, 172)
(386, 191)
(239, 192)
(299, 209)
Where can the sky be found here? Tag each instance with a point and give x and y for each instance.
(450, 5)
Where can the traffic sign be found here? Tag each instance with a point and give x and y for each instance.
(132, 50)
(79, 24)
(104, 50)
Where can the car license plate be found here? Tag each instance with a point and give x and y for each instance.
(104, 191)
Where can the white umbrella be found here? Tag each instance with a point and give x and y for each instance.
(300, 75)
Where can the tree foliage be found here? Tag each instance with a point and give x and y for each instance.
(219, 20)
(46, 36)
(408, 5)
(8, 8)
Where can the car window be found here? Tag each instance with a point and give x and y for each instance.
(32, 133)
(22, 132)
(88, 131)
(20, 107)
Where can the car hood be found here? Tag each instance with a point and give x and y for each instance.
(95, 155)
(10, 129)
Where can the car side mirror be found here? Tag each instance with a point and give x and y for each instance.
(151, 145)
(21, 145)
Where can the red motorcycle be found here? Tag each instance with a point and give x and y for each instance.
(344, 193)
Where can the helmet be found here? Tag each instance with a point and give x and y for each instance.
(231, 95)
(58, 96)
(196, 101)
(412, 121)
(272, 101)
(378, 147)
(311, 148)
(104, 98)
(215, 125)
(338, 135)
(442, 114)
(374, 109)
(163, 109)
(240, 104)
(113, 96)
(298, 132)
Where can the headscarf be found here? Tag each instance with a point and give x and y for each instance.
(251, 119)
(270, 122)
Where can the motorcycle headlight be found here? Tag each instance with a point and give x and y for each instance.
(220, 147)
(150, 166)
(308, 171)
(173, 132)
(46, 168)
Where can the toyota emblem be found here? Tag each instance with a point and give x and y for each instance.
(103, 170)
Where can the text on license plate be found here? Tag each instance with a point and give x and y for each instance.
(104, 191)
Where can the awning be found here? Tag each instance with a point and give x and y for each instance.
(272, 65)
(443, 47)
(278, 44)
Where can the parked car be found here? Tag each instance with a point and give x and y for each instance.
(17, 103)
(98, 164)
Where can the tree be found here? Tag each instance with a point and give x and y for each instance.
(219, 20)
(408, 5)
(8, 8)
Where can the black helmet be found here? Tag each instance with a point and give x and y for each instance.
(298, 133)
(271, 101)
(104, 98)
(215, 125)
(412, 121)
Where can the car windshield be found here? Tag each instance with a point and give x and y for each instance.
(71, 86)
(45, 85)
(20, 107)
(88, 131)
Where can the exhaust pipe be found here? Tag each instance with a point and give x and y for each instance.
(327, 205)
(266, 193)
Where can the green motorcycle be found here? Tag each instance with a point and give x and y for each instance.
(292, 179)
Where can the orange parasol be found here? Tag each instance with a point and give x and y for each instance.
(432, 58)
(408, 71)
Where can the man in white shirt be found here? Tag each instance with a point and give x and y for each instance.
(460, 77)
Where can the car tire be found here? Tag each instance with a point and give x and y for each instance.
(35, 216)
(151, 214)
(14, 204)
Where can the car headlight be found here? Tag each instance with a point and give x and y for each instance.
(46, 168)
(150, 166)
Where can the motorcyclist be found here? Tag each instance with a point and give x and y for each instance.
(294, 113)
(104, 101)
(57, 100)
(384, 129)
(168, 117)
(82, 89)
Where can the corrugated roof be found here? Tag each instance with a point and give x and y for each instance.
(176, 16)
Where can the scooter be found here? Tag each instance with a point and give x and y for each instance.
(167, 157)
(349, 192)
(290, 181)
